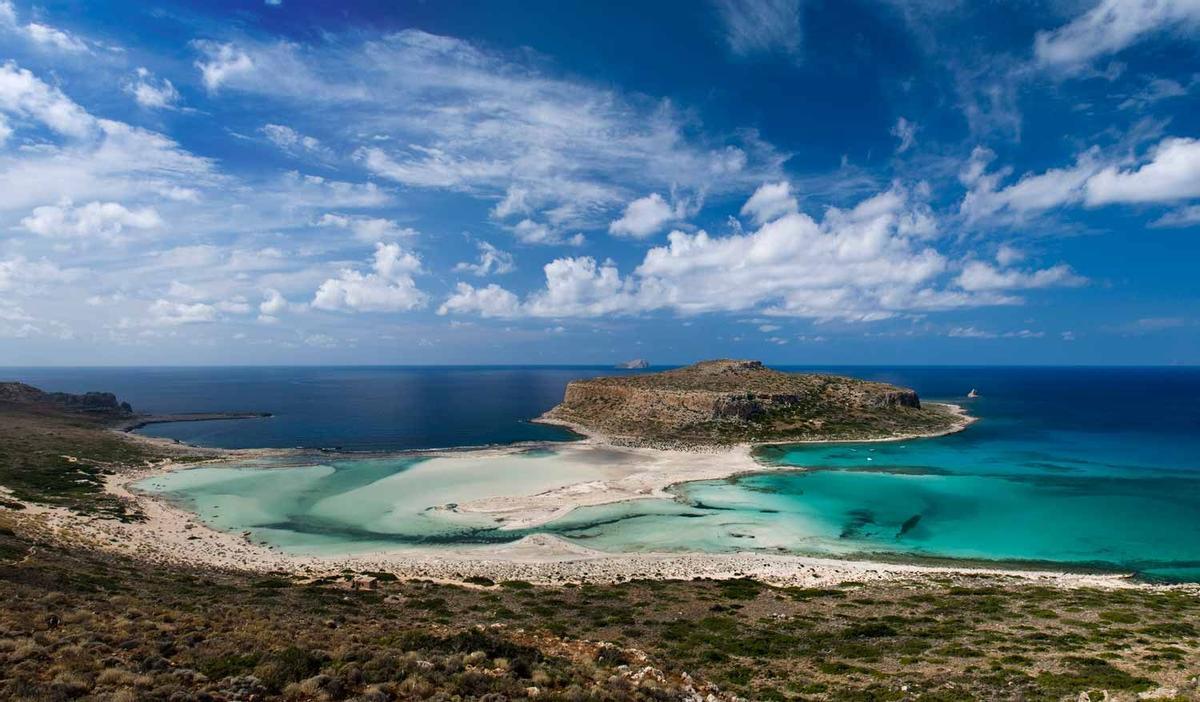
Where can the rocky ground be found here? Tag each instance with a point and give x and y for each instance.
(77, 624)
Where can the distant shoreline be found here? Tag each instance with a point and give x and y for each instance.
(135, 423)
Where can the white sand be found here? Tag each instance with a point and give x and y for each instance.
(175, 536)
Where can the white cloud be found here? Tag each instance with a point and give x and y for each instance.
(490, 301)
(273, 302)
(1173, 173)
(980, 276)
(856, 264)
(389, 288)
(1007, 255)
(1169, 173)
(5, 130)
(770, 201)
(761, 26)
(41, 34)
(150, 92)
(444, 114)
(1031, 194)
(643, 217)
(1182, 217)
(530, 232)
(169, 313)
(492, 261)
(24, 94)
(971, 332)
(104, 220)
(1109, 27)
(96, 159)
(223, 62)
(21, 277)
(1157, 90)
(515, 202)
(55, 38)
(291, 140)
(367, 228)
(906, 132)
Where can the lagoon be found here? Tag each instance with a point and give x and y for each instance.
(1071, 467)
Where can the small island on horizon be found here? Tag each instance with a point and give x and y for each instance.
(725, 401)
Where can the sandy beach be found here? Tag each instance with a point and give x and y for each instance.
(169, 534)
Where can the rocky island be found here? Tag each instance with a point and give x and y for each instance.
(724, 402)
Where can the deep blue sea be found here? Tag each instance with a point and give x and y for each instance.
(1092, 467)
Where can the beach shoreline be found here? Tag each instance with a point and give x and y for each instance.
(170, 534)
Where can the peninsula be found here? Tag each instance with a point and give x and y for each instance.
(724, 402)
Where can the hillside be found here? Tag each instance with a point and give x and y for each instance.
(731, 401)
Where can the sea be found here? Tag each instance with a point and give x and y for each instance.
(1083, 468)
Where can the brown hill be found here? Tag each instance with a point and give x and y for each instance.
(730, 401)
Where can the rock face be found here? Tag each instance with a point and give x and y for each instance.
(728, 401)
(92, 402)
(635, 364)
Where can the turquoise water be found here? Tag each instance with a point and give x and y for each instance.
(1091, 468)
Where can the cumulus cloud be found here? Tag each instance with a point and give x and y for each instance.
(977, 276)
(367, 228)
(760, 26)
(273, 302)
(1169, 173)
(643, 217)
(150, 92)
(388, 288)
(862, 264)
(24, 94)
(1111, 26)
(1172, 173)
(770, 201)
(103, 220)
(491, 261)
(1031, 194)
(170, 313)
(489, 301)
(222, 62)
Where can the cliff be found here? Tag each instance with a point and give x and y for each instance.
(728, 401)
(92, 402)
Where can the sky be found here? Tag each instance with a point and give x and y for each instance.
(546, 182)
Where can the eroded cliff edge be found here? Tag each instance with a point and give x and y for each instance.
(734, 401)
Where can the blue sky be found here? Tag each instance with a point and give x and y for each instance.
(900, 181)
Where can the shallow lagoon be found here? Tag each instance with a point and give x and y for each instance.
(1087, 467)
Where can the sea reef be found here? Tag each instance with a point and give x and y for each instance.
(737, 401)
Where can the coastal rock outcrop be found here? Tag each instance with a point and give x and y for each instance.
(725, 401)
(92, 402)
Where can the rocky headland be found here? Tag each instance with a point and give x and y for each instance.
(724, 402)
